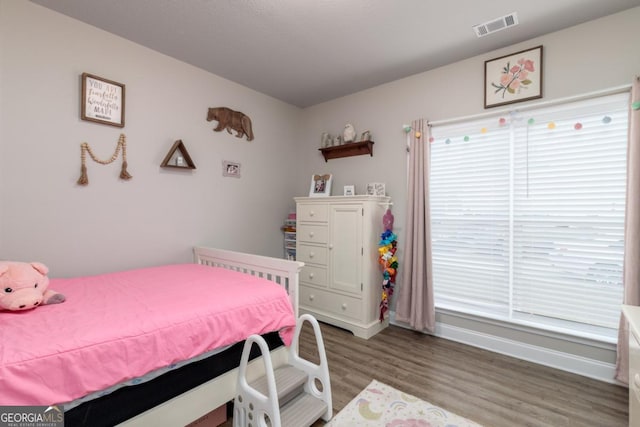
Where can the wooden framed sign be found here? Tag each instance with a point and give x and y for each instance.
(102, 100)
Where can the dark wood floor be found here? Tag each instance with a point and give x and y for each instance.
(488, 388)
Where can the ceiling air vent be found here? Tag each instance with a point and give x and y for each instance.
(496, 25)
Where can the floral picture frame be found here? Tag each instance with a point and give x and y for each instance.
(513, 78)
(320, 185)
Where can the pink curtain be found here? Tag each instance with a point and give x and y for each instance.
(631, 268)
(415, 297)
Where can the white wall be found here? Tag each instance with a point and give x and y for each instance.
(160, 214)
(590, 57)
(597, 55)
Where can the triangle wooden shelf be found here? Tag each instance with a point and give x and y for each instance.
(178, 146)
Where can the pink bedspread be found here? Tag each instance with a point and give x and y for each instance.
(119, 326)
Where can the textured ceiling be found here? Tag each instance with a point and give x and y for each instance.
(308, 51)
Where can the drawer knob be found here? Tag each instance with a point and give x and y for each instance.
(330, 246)
(311, 234)
(312, 213)
(344, 306)
(311, 297)
(310, 275)
(312, 254)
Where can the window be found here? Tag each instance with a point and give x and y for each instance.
(527, 215)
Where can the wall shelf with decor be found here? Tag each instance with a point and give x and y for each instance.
(347, 150)
(178, 157)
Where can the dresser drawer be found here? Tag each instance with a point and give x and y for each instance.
(311, 254)
(634, 378)
(314, 275)
(312, 233)
(312, 212)
(330, 302)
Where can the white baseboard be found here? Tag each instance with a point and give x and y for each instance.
(591, 368)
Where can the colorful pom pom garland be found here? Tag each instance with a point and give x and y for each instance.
(388, 261)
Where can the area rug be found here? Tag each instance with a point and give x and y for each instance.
(381, 405)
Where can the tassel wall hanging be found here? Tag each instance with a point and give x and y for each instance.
(85, 148)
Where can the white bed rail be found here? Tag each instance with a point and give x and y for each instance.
(281, 271)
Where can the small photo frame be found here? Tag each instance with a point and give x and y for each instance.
(349, 190)
(102, 100)
(320, 185)
(231, 169)
(375, 189)
(513, 78)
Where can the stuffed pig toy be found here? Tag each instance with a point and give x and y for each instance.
(23, 286)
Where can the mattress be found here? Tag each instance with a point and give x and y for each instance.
(127, 402)
(143, 379)
(120, 326)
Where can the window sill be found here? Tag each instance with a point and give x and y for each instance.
(606, 342)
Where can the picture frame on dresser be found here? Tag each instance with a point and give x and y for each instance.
(320, 185)
(376, 189)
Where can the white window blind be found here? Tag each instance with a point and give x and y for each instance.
(528, 215)
(469, 196)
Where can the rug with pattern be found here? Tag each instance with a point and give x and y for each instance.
(382, 405)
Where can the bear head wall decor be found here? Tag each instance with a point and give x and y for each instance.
(231, 120)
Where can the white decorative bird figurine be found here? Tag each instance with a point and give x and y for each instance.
(349, 134)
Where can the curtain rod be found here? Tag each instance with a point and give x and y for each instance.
(610, 91)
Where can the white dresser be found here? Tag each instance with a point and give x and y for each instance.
(632, 314)
(337, 239)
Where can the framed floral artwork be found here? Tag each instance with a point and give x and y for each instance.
(513, 78)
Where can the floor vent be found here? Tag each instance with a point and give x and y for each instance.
(496, 25)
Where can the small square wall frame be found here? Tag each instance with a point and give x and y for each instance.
(181, 160)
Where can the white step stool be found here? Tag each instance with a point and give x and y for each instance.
(294, 395)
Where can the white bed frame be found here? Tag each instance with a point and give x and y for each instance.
(193, 404)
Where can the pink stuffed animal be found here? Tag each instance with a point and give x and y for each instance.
(24, 286)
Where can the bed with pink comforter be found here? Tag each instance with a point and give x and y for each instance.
(119, 326)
